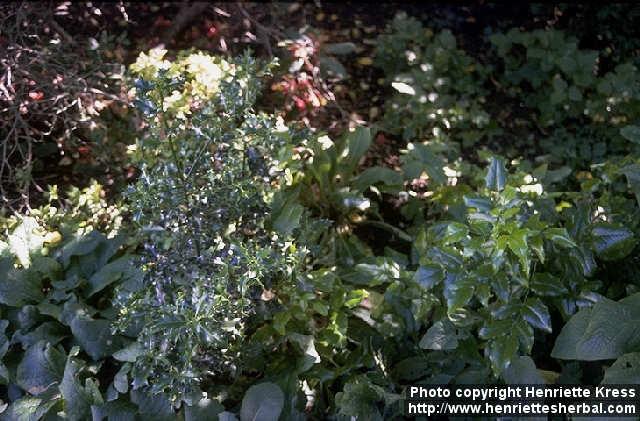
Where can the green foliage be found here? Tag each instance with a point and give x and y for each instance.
(207, 162)
(57, 271)
(280, 278)
(439, 87)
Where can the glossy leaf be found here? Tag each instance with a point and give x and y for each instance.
(496, 177)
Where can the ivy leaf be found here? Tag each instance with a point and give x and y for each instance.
(537, 314)
(625, 370)
(611, 242)
(496, 175)
(440, 337)
(262, 402)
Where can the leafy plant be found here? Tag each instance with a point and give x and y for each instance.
(439, 88)
(201, 202)
(57, 273)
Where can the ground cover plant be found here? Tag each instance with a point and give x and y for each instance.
(261, 250)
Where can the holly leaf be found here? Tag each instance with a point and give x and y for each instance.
(496, 174)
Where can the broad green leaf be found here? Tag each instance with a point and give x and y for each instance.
(421, 158)
(227, 416)
(522, 370)
(287, 218)
(631, 133)
(412, 369)
(28, 408)
(625, 370)
(77, 398)
(121, 379)
(611, 242)
(306, 344)
(376, 175)
(4, 341)
(19, 287)
(536, 313)
(547, 285)
(428, 276)
(440, 337)
(448, 232)
(155, 407)
(607, 330)
(496, 177)
(573, 331)
(81, 246)
(41, 367)
(357, 144)
(359, 398)
(262, 402)
(129, 353)
(458, 291)
(560, 236)
(384, 270)
(517, 242)
(108, 274)
(480, 203)
(501, 351)
(537, 245)
(94, 336)
(117, 410)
